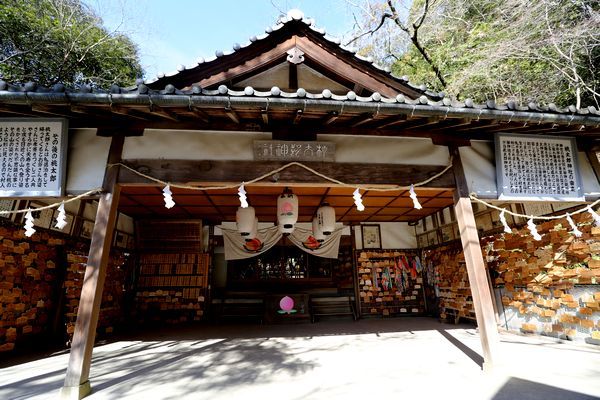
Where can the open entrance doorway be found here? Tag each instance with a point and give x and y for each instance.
(184, 273)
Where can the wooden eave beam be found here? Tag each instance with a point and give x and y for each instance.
(484, 125)
(422, 124)
(164, 113)
(395, 120)
(200, 114)
(17, 110)
(298, 117)
(264, 113)
(129, 112)
(243, 171)
(272, 56)
(51, 110)
(330, 118)
(233, 116)
(363, 119)
(331, 62)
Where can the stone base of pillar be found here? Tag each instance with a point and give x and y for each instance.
(75, 392)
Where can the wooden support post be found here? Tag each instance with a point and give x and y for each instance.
(77, 383)
(480, 289)
(355, 275)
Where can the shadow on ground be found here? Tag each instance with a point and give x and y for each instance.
(522, 389)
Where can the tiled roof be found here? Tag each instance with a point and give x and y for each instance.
(7, 90)
(292, 16)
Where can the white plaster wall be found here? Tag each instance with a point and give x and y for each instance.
(192, 145)
(387, 150)
(207, 145)
(394, 235)
(480, 170)
(86, 160)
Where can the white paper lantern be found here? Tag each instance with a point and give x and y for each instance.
(245, 218)
(254, 232)
(284, 230)
(317, 232)
(326, 219)
(287, 209)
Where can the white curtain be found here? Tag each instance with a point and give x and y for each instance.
(237, 248)
(304, 239)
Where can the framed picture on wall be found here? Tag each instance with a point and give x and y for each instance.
(371, 236)
(86, 229)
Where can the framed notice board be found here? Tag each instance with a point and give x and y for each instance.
(33, 156)
(543, 168)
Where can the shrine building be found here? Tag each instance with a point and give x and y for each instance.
(290, 180)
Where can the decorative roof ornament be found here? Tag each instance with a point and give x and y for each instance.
(295, 56)
(295, 14)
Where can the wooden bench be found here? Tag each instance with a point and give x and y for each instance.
(332, 306)
(239, 308)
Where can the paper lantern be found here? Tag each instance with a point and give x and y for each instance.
(326, 219)
(254, 231)
(287, 209)
(286, 231)
(317, 232)
(286, 303)
(245, 218)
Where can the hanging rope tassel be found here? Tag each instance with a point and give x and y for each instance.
(533, 229)
(413, 196)
(169, 203)
(358, 200)
(29, 230)
(575, 230)
(242, 196)
(61, 219)
(504, 223)
(594, 215)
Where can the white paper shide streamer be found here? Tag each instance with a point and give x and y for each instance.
(61, 219)
(29, 230)
(533, 229)
(358, 200)
(504, 223)
(242, 196)
(594, 215)
(169, 203)
(413, 196)
(575, 230)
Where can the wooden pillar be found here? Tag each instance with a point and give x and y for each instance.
(355, 275)
(480, 289)
(77, 383)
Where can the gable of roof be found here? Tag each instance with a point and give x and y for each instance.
(308, 55)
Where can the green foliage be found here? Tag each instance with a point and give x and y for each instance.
(51, 41)
(545, 51)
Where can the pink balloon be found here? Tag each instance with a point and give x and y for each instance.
(286, 303)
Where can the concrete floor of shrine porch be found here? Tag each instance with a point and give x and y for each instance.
(335, 359)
